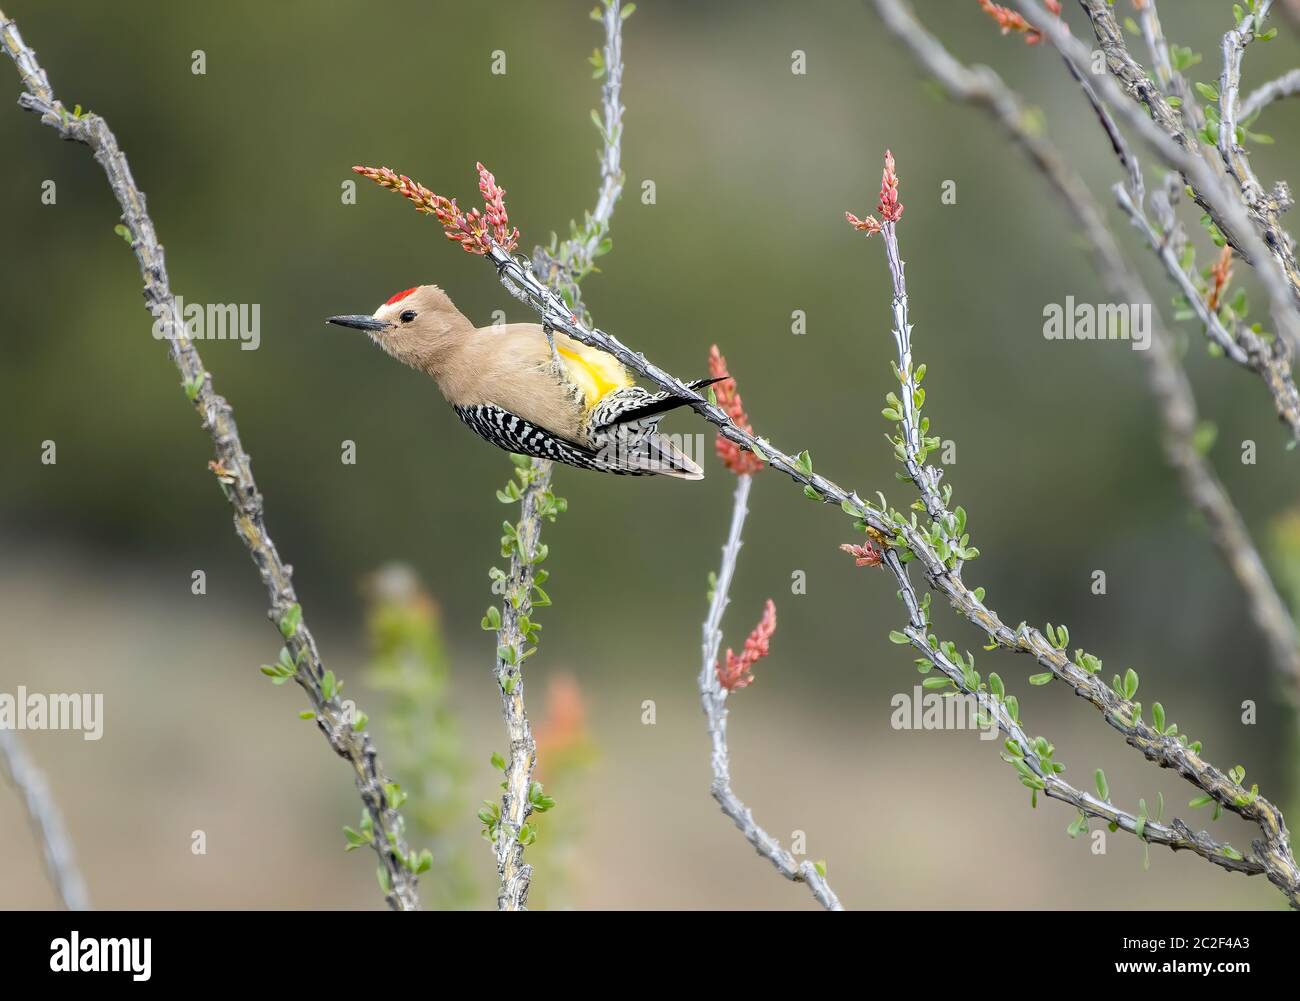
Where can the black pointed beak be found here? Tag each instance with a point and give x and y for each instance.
(360, 322)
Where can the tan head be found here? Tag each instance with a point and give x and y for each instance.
(420, 327)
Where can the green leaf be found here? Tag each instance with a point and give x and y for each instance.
(896, 637)
(1103, 787)
(1041, 679)
(1207, 91)
(124, 233)
(1130, 683)
(492, 620)
(804, 463)
(328, 686)
(291, 620)
(820, 866)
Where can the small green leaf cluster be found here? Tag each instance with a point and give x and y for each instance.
(894, 410)
(285, 668)
(1043, 751)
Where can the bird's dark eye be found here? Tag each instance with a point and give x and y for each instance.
(407, 315)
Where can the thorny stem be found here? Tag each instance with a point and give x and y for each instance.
(232, 467)
(1168, 380)
(515, 874)
(1273, 854)
(1175, 835)
(1265, 209)
(713, 697)
(565, 271)
(983, 87)
(926, 477)
(46, 822)
(1163, 131)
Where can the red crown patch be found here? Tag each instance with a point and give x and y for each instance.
(401, 295)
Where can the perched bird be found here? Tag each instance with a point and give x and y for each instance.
(577, 406)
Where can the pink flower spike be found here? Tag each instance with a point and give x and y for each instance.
(738, 672)
(740, 461)
(470, 229)
(494, 205)
(889, 207)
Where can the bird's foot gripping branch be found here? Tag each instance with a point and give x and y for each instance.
(940, 548)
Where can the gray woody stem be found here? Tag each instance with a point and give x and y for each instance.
(1274, 853)
(1287, 85)
(714, 699)
(46, 822)
(1162, 130)
(574, 258)
(232, 466)
(981, 86)
(516, 875)
(926, 477)
(1272, 363)
(1034, 755)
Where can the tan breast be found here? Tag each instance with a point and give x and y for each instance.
(509, 365)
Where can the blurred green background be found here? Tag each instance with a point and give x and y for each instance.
(1058, 460)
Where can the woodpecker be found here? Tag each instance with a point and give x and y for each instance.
(577, 405)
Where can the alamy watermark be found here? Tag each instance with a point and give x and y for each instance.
(75, 954)
(215, 321)
(664, 455)
(58, 711)
(1107, 321)
(922, 710)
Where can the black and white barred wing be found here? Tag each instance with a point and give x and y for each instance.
(633, 455)
(514, 434)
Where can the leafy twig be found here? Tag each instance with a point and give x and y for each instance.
(1164, 132)
(564, 269)
(299, 659)
(983, 87)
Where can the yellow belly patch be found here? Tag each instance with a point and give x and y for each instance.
(594, 372)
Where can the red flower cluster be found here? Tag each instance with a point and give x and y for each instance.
(737, 673)
(1009, 20)
(864, 556)
(889, 207)
(470, 229)
(738, 460)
